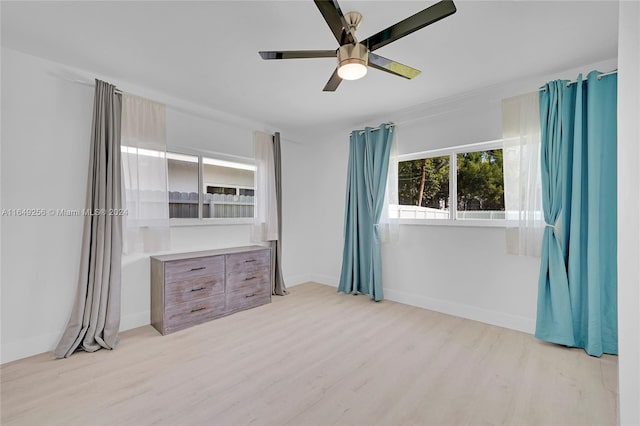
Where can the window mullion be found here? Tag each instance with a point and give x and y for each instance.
(200, 186)
(453, 186)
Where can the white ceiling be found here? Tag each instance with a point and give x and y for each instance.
(206, 52)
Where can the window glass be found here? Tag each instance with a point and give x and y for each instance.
(228, 189)
(480, 185)
(182, 176)
(423, 188)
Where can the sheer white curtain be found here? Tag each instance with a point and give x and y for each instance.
(265, 227)
(522, 181)
(388, 228)
(144, 168)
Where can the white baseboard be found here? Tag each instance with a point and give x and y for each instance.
(294, 280)
(501, 319)
(324, 279)
(135, 320)
(24, 348)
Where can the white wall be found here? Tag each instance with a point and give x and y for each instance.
(299, 250)
(628, 219)
(463, 271)
(46, 126)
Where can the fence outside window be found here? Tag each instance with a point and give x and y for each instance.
(185, 205)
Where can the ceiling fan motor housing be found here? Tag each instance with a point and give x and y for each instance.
(353, 54)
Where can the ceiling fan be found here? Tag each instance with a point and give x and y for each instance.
(354, 56)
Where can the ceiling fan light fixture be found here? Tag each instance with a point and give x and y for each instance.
(352, 61)
(352, 70)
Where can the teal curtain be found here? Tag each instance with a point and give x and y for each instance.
(577, 292)
(369, 152)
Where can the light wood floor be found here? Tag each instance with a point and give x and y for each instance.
(317, 358)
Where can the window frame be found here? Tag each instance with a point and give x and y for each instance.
(453, 152)
(209, 221)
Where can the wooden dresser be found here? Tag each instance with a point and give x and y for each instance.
(191, 288)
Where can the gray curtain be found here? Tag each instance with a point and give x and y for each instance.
(276, 246)
(95, 317)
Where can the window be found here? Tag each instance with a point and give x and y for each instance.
(470, 175)
(182, 176)
(202, 187)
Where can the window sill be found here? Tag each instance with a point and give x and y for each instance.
(177, 223)
(464, 223)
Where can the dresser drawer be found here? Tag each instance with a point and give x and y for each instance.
(197, 288)
(189, 269)
(250, 261)
(247, 279)
(246, 269)
(194, 312)
(249, 296)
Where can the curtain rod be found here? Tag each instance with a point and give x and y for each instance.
(544, 88)
(386, 126)
(91, 84)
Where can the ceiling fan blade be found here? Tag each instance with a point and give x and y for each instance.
(298, 54)
(392, 67)
(333, 82)
(413, 23)
(331, 12)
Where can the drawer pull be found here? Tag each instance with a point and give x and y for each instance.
(198, 309)
(198, 269)
(250, 295)
(250, 260)
(198, 289)
(250, 278)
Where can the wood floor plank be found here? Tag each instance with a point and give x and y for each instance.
(317, 357)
